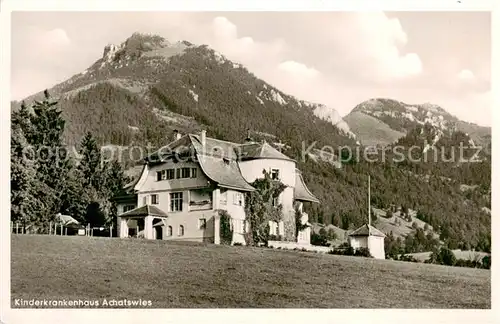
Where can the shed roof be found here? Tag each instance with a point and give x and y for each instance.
(146, 210)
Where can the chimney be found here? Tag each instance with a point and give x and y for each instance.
(177, 135)
(203, 140)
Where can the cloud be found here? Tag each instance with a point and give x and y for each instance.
(254, 54)
(224, 29)
(466, 75)
(378, 39)
(297, 69)
(47, 41)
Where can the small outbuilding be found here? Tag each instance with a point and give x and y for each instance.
(71, 225)
(370, 238)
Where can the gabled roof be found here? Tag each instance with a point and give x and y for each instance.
(260, 151)
(301, 191)
(134, 173)
(367, 230)
(146, 210)
(169, 150)
(215, 147)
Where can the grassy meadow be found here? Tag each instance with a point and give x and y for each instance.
(192, 275)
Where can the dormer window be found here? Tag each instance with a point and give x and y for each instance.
(275, 174)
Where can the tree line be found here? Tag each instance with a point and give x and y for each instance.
(48, 177)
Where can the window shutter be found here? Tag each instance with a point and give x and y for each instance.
(271, 228)
(281, 228)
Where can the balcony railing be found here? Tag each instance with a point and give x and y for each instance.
(200, 205)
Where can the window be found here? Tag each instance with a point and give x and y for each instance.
(169, 231)
(170, 174)
(181, 230)
(154, 200)
(176, 201)
(185, 173)
(127, 208)
(145, 200)
(193, 172)
(202, 223)
(276, 201)
(178, 173)
(275, 174)
(238, 199)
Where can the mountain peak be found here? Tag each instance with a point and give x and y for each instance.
(383, 121)
(139, 44)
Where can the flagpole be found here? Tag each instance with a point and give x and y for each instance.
(369, 209)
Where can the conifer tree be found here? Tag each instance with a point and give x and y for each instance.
(25, 203)
(52, 160)
(99, 182)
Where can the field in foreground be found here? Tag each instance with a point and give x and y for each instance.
(186, 275)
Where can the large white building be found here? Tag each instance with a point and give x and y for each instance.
(184, 184)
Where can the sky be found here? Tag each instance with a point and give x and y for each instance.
(339, 59)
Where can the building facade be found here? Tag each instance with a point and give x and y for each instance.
(370, 238)
(191, 179)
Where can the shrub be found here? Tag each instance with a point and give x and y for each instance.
(349, 251)
(226, 233)
(275, 238)
(486, 262)
(342, 251)
(331, 235)
(406, 258)
(319, 240)
(444, 256)
(468, 263)
(363, 252)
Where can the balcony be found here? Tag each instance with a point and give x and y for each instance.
(200, 205)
